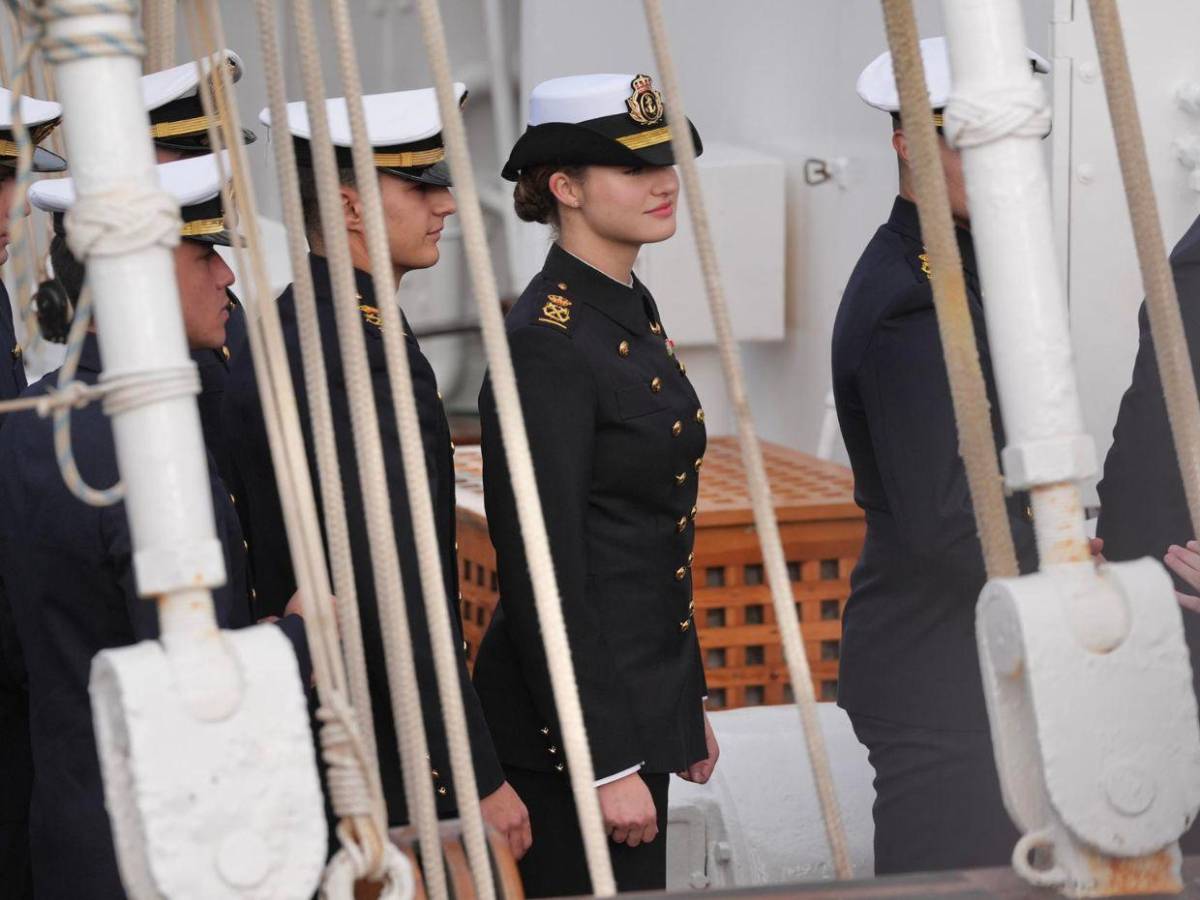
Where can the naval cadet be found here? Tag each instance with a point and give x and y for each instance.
(179, 128)
(69, 565)
(414, 182)
(617, 436)
(16, 766)
(909, 674)
(1143, 508)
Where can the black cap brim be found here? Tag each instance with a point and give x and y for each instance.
(198, 142)
(591, 143)
(43, 161)
(437, 175)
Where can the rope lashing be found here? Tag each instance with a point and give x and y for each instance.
(520, 462)
(983, 118)
(756, 476)
(968, 393)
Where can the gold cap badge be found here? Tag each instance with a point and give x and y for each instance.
(645, 103)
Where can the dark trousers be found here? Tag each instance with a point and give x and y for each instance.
(555, 865)
(937, 798)
(16, 784)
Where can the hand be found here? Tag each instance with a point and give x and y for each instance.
(1096, 545)
(1185, 562)
(295, 606)
(628, 810)
(700, 772)
(503, 811)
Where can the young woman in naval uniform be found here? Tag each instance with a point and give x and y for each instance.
(617, 435)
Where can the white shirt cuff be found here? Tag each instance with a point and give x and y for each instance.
(600, 782)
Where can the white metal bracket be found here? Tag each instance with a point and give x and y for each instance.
(1098, 752)
(206, 806)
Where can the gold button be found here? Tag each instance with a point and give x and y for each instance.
(253, 594)
(681, 524)
(442, 791)
(233, 499)
(682, 368)
(691, 557)
(656, 384)
(685, 625)
(225, 353)
(562, 285)
(680, 573)
(623, 348)
(545, 730)
(552, 750)
(452, 448)
(681, 478)
(435, 773)
(655, 328)
(700, 416)
(558, 767)
(1028, 513)
(698, 463)
(677, 428)
(17, 352)
(439, 393)
(245, 545)
(692, 514)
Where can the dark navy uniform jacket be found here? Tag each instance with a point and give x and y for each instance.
(214, 366)
(261, 515)
(69, 570)
(908, 636)
(1143, 509)
(618, 437)
(16, 766)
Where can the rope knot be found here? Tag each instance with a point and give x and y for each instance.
(122, 220)
(982, 117)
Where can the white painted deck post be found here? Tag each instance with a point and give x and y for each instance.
(206, 753)
(1086, 673)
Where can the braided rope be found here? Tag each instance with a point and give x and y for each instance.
(756, 475)
(1162, 302)
(972, 410)
(316, 384)
(520, 462)
(389, 588)
(424, 525)
(352, 777)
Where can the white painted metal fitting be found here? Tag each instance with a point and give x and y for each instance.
(219, 808)
(1031, 463)
(1098, 752)
(1187, 95)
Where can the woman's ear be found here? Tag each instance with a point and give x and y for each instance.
(351, 209)
(566, 190)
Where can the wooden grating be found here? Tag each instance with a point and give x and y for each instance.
(822, 531)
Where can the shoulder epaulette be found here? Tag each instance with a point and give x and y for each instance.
(556, 313)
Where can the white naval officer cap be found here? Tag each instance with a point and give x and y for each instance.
(596, 119)
(40, 117)
(404, 128)
(877, 83)
(195, 183)
(172, 98)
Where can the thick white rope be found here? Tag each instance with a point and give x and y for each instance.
(352, 776)
(520, 461)
(403, 688)
(424, 524)
(756, 475)
(316, 384)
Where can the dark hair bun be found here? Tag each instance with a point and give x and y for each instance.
(532, 197)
